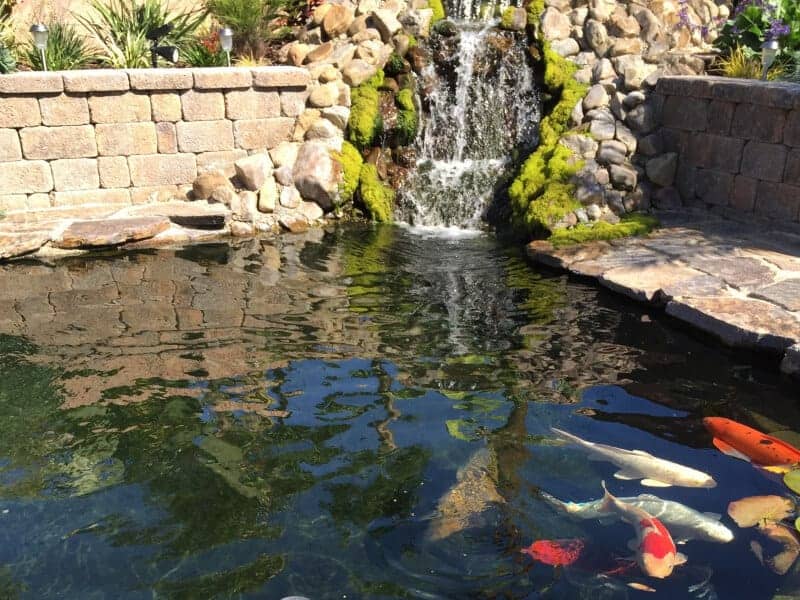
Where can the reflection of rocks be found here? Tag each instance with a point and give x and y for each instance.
(475, 491)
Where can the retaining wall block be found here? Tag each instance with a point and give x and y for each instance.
(205, 136)
(162, 169)
(26, 177)
(760, 123)
(764, 161)
(125, 139)
(778, 200)
(253, 134)
(10, 148)
(75, 174)
(73, 141)
(96, 80)
(202, 105)
(252, 104)
(64, 109)
(19, 112)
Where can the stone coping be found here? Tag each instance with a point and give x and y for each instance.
(778, 94)
(735, 281)
(117, 80)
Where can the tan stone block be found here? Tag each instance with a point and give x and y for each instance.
(66, 109)
(156, 194)
(9, 145)
(252, 104)
(162, 169)
(119, 108)
(252, 134)
(124, 139)
(72, 141)
(167, 138)
(219, 161)
(19, 112)
(160, 79)
(205, 136)
(31, 82)
(13, 202)
(75, 174)
(293, 102)
(201, 105)
(77, 198)
(38, 201)
(281, 77)
(219, 78)
(26, 177)
(113, 172)
(166, 106)
(96, 80)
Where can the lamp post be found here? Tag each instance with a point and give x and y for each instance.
(226, 41)
(39, 33)
(769, 51)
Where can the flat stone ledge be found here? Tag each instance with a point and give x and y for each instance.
(96, 80)
(160, 79)
(222, 78)
(280, 77)
(112, 232)
(14, 245)
(777, 94)
(31, 82)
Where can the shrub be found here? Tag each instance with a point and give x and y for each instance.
(251, 20)
(7, 61)
(738, 64)
(66, 49)
(205, 52)
(120, 27)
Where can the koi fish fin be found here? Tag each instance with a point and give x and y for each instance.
(681, 541)
(633, 544)
(555, 502)
(640, 586)
(726, 448)
(626, 475)
(779, 469)
(655, 483)
(713, 515)
(680, 559)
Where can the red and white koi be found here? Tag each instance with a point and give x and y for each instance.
(655, 551)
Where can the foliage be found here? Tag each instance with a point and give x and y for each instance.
(7, 61)
(351, 161)
(66, 49)
(542, 193)
(204, 52)
(395, 65)
(251, 20)
(249, 60)
(405, 99)
(438, 11)
(445, 28)
(365, 122)
(120, 27)
(755, 21)
(407, 125)
(377, 198)
(629, 225)
(738, 64)
(507, 19)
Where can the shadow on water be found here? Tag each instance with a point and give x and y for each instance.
(283, 416)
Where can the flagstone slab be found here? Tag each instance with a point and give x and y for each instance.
(785, 293)
(13, 245)
(739, 322)
(632, 256)
(194, 215)
(647, 283)
(110, 232)
(740, 272)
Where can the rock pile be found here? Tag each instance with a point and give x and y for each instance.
(620, 50)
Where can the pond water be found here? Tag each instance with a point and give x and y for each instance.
(282, 416)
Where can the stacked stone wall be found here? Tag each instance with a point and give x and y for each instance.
(732, 145)
(138, 136)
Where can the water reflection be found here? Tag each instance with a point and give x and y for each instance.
(283, 416)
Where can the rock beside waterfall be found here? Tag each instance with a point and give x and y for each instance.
(316, 174)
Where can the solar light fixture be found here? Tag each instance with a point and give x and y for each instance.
(169, 53)
(39, 33)
(769, 51)
(226, 41)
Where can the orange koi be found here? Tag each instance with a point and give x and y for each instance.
(555, 552)
(741, 441)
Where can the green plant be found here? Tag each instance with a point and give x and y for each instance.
(204, 52)
(120, 27)
(66, 49)
(377, 198)
(738, 64)
(629, 225)
(7, 61)
(365, 122)
(753, 22)
(254, 21)
(395, 65)
(438, 10)
(351, 161)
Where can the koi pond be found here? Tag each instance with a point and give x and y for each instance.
(363, 412)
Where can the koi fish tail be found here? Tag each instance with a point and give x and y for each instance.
(608, 504)
(554, 502)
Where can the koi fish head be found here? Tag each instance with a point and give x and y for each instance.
(555, 552)
(657, 555)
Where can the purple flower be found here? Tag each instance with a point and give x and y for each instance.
(777, 29)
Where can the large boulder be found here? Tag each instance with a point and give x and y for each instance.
(316, 174)
(385, 21)
(555, 25)
(253, 170)
(207, 183)
(357, 72)
(337, 20)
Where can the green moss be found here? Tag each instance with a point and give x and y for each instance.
(405, 99)
(507, 19)
(378, 198)
(412, 41)
(365, 124)
(542, 194)
(629, 225)
(535, 9)
(351, 161)
(407, 124)
(438, 11)
(394, 65)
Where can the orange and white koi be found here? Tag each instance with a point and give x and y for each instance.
(741, 441)
(655, 551)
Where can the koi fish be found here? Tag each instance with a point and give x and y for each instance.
(746, 443)
(555, 552)
(655, 550)
(683, 522)
(638, 464)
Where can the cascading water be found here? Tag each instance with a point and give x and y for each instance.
(480, 110)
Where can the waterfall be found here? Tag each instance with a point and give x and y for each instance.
(480, 108)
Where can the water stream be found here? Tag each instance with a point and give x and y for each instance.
(481, 109)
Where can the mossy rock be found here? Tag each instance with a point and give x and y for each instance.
(438, 11)
(405, 99)
(365, 124)
(377, 197)
(351, 160)
(629, 225)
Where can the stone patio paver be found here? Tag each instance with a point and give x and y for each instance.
(736, 281)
